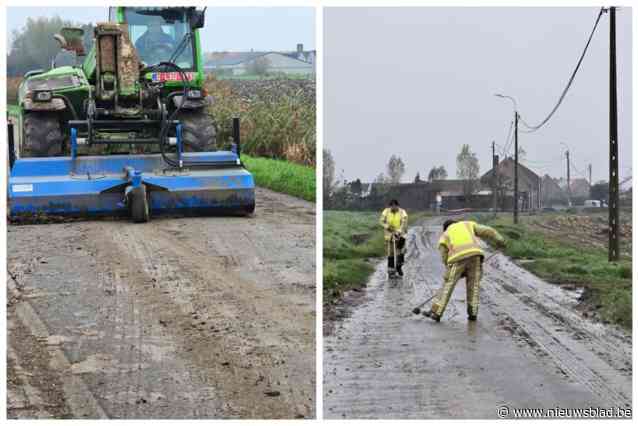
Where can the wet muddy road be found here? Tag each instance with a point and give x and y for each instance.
(176, 318)
(529, 348)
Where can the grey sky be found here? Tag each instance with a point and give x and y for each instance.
(419, 82)
(227, 28)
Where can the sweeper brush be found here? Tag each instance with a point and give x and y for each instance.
(126, 131)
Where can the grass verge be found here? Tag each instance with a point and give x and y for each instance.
(351, 243)
(607, 285)
(13, 110)
(282, 176)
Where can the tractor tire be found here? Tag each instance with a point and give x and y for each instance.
(138, 202)
(198, 131)
(249, 209)
(42, 135)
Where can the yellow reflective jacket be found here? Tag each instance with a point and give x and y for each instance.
(460, 241)
(394, 222)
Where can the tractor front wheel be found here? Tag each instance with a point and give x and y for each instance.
(198, 130)
(42, 135)
(138, 204)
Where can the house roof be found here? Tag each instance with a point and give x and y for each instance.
(579, 185)
(216, 59)
(508, 164)
(306, 54)
(549, 183)
(231, 58)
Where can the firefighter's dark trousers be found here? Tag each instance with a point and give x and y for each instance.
(472, 269)
(401, 249)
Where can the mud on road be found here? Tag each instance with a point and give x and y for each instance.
(176, 318)
(529, 349)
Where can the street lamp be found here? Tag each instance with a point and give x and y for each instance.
(498, 95)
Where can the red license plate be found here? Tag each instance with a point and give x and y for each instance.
(170, 76)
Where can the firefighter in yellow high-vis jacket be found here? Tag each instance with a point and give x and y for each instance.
(395, 227)
(462, 257)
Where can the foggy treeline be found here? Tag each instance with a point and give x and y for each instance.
(33, 46)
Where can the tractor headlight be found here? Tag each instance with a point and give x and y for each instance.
(194, 94)
(43, 96)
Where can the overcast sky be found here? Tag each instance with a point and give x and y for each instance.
(420, 82)
(227, 28)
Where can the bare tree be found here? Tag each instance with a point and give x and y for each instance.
(356, 187)
(380, 178)
(395, 169)
(467, 169)
(437, 173)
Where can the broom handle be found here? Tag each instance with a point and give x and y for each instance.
(394, 244)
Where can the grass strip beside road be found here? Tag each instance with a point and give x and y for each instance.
(282, 176)
(350, 239)
(607, 285)
(352, 245)
(13, 110)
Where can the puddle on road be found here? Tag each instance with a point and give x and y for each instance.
(158, 353)
(103, 363)
(58, 340)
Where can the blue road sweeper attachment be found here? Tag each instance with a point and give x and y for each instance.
(137, 185)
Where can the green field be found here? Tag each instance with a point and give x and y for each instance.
(557, 260)
(352, 245)
(282, 176)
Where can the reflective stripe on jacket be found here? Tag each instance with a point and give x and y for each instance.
(460, 241)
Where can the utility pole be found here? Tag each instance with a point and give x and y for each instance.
(569, 186)
(614, 216)
(494, 178)
(515, 166)
(515, 153)
(589, 168)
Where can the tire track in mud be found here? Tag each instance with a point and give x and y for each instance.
(179, 279)
(141, 313)
(528, 349)
(182, 318)
(587, 357)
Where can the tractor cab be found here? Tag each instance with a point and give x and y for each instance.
(161, 34)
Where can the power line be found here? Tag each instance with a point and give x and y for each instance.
(569, 82)
(508, 141)
(578, 172)
(552, 161)
(544, 167)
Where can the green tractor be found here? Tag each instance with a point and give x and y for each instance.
(126, 129)
(107, 83)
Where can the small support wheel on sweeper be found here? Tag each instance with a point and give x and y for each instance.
(138, 204)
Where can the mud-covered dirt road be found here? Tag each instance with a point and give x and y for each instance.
(529, 349)
(176, 318)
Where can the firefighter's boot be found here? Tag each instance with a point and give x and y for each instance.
(432, 315)
(391, 270)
